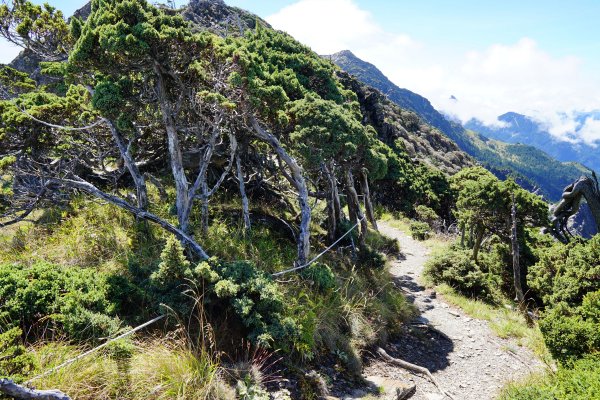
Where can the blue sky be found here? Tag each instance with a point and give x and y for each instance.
(531, 56)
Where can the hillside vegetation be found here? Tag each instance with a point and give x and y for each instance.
(198, 165)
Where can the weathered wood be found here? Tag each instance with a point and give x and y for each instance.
(364, 184)
(354, 206)
(583, 188)
(520, 298)
(298, 181)
(244, 196)
(332, 216)
(138, 178)
(412, 367)
(87, 187)
(182, 199)
(10, 388)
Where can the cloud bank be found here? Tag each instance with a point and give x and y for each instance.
(519, 77)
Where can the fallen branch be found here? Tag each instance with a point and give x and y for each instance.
(10, 388)
(411, 367)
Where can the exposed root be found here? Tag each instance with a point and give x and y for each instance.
(412, 367)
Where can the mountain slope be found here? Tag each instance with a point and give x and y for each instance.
(520, 128)
(532, 168)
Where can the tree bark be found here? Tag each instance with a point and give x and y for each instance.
(10, 388)
(339, 213)
(87, 187)
(332, 218)
(136, 175)
(354, 207)
(298, 182)
(520, 298)
(479, 231)
(242, 185)
(176, 160)
(364, 183)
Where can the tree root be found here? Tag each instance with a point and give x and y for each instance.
(412, 367)
(10, 388)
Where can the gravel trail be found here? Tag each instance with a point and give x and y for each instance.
(465, 356)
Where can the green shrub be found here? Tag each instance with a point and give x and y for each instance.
(426, 214)
(571, 333)
(74, 300)
(370, 258)
(420, 230)
(580, 381)
(256, 300)
(382, 243)
(321, 276)
(565, 273)
(457, 269)
(15, 362)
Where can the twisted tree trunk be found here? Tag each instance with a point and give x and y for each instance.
(356, 214)
(364, 183)
(299, 183)
(183, 199)
(134, 171)
(332, 193)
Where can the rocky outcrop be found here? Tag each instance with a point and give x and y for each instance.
(220, 18)
(423, 142)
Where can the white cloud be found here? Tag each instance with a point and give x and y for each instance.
(590, 131)
(519, 77)
(8, 51)
(329, 26)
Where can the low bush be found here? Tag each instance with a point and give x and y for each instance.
(71, 301)
(320, 275)
(15, 361)
(426, 214)
(566, 273)
(580, 381)
(457, 269)
(571, 333)
(420, 230)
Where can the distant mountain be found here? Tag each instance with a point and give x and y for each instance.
(372, 76)
(518, 128)
(532, 168)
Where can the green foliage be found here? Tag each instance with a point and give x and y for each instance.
(320, 275)
(174, 268)
(255, 299)
(368, 257)
(565, 273)
(15, 362)
(426, 214)
(580, 381)
(74, 301)
(566, 279)
(457, 269)
(571, 333)
(420, 230)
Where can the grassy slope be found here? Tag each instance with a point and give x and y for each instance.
(362, 309)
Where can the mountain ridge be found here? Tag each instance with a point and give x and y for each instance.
(532, 168)
(520, 128)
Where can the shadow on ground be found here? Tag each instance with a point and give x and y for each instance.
(420, 343)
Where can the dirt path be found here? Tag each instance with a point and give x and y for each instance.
(465, 356)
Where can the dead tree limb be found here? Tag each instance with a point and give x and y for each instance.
(10, 388)
(412, 367)
(87, 187)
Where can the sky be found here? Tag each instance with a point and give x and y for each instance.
(536, 57)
